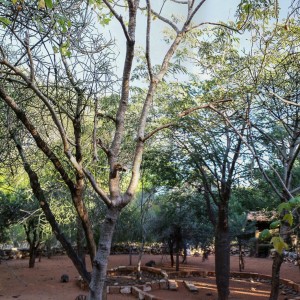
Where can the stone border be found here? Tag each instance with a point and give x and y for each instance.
(162, 280)
(124, 270)
(141, 291)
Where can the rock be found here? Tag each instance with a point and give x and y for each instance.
(190, 286)
(64, 278)
(150, 263)
(125, 290)
(173, 286)
(147, 288)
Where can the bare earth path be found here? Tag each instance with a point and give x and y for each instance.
(17, 281)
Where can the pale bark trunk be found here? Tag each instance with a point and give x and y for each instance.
(139, 264)
(98, 282)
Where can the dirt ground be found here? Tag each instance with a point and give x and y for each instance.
(43, 282)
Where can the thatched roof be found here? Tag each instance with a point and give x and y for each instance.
(261, 216)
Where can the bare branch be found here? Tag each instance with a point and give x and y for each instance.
(180, 2)
(60, 127)
(181, 115)
(69, 74)
(94, 137)
(165, 20)
(284, 100)
(275, 144)
(97, 189)
(257, 158)
(148, 40)
(101, 144)
(2, 53)
(200, 168)
(119, 18)
(99, 114)
(40, 196)
(36, 136)
(191, 13)
(31, 64)
(215, 24)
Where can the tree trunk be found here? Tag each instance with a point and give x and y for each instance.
(177, 260)
(32, 256)
(222, 253)
(39, 194)
(98, 281)
(241, 258)
(277, 261)
(171, 245)
(139, 272)
(80, 241)
(130, 255)
(178, 238)
(32, 238)
(184, 260)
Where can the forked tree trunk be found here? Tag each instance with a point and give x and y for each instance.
(222, 253)
(98, 282)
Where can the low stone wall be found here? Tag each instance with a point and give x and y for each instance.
(154, 273)
(161, 279)
(140, 291)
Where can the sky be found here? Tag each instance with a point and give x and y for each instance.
(211, 11)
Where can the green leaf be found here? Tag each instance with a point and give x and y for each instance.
(295, 201)
(275, 224)
(41, 4)
(265, 234)
(14, 1)
(284, 205)
(279, 244)
(64, 49)
(5, 21)
(247, 8)
(49, 3)
(55, 49)
(289, 218)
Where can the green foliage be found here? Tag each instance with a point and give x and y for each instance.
(279, 244)
(288, 218)
(183, 209)
(285, 210)
(5, 21)
(275, 224)
(240, 228)
(265, 235)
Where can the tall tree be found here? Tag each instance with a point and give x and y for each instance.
(277, 133)
(214, 153)
(61, 64)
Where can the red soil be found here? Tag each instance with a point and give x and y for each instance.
(43, 282)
